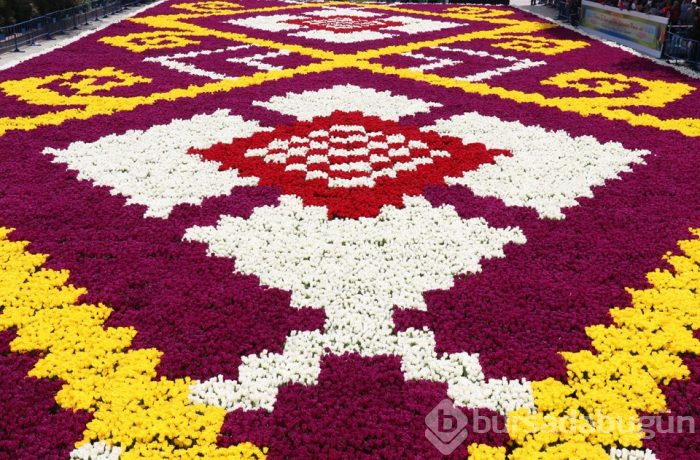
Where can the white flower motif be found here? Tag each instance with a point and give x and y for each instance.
(153, 168)
(547, 170)
(346, 98)
(179, 61)
(96, 451)
(358, 271)
(631, 454)
(433, 63)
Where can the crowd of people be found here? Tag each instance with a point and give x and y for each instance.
(685, 13)
(683, 17)
(682, 13)
(679, 12)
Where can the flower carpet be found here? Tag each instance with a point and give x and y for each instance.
(300, 230)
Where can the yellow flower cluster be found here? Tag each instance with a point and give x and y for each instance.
(209, 7)
(147, 418)
(543, 45)
(599, 405)
(109, 77)
(33, 90)
(84, 85)
(145, 41)
(480, 12)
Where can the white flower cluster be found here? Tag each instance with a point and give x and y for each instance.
(631, 454)
(153, 168)
(261, 376)
(182, 62)
(358, 270)
(346, 98)
(547, 170)
(434, 62)
(96, 451)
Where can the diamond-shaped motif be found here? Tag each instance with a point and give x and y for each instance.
(344, 24)
(349, 162)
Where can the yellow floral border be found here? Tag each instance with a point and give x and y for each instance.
(640, 351)
(147, 418)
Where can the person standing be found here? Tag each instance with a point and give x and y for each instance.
(674, 13)
(686, 17)
(694, 53)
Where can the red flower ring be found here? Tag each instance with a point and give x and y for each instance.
(351, 163)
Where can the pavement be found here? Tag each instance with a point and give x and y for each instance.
(540, 10)
(11, 58)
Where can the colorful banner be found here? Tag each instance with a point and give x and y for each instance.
(639, 31)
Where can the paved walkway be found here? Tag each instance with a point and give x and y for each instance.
(540, 10)
(10, 58)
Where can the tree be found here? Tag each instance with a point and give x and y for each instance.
(12, 11)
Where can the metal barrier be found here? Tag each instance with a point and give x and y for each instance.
(566, 13)
(28, 32)
(679, 48)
